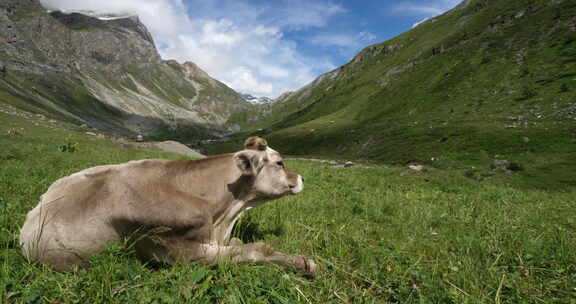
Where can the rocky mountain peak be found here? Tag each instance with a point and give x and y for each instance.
(104, 71)
(284, 96)
(192, 70)
(84, 20)
(100, 15)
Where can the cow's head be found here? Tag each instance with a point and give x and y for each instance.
(271, 177)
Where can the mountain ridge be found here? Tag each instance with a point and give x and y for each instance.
(487, 80)
(105, 72)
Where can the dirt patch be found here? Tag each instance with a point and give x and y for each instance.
(333, 163)
(169, 146)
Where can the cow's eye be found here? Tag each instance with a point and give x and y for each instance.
(280, 163)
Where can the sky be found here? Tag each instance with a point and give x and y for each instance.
(267, 47)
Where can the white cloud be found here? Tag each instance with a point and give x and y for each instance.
(428, 8)
(240, 44)
(305, 13)
(343, 40)
(255, 60)
(162, 17)
(420, 22)
(367, 37)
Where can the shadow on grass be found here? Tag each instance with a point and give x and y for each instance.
(249, 231)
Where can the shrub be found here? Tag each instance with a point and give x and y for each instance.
(70, 146)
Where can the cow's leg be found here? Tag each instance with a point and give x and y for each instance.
(260, 252)
(192, 243)
(236, 242)
(162, 244)
(253, 252)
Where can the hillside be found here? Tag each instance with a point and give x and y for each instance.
(105, 73)
(486, 80)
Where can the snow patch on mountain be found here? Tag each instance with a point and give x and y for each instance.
(99, 15)
(257, 100)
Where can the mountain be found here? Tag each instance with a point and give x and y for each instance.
(487, 78)
(486, 83)
(98, 15)
(257, 100)
(104, 71)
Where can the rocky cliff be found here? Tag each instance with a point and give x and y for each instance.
(103, 72)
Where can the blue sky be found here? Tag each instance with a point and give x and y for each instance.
(267, 47)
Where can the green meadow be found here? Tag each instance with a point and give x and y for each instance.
(381, 234)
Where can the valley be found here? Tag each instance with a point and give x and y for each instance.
(440, 165)
(487, 80)
(380, 233)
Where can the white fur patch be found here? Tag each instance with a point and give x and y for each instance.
(299, 186)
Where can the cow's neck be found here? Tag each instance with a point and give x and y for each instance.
(224, 224)
(226, 190)
(230, 210)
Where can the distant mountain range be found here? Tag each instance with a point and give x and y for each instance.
(257, 100)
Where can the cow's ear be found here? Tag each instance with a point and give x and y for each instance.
(246, 161)
(256, 143)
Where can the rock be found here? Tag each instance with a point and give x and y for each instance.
(91, 133)
(169, 146)
(416, 167)
(176, 147)
(503, 165)
(14, 132)
(348, 164)
(500, 163)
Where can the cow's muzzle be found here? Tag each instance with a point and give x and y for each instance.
(298, 186)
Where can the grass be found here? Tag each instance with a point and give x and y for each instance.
(457, 232)
(384, 234)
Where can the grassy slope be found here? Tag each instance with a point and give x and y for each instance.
(28, 92)
(380, 235)
(502, 88)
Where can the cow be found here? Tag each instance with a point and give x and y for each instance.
(172, 210)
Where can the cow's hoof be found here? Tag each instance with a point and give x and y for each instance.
(309, 267)
(236, 242)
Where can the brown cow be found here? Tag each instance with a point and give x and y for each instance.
(174, 209)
